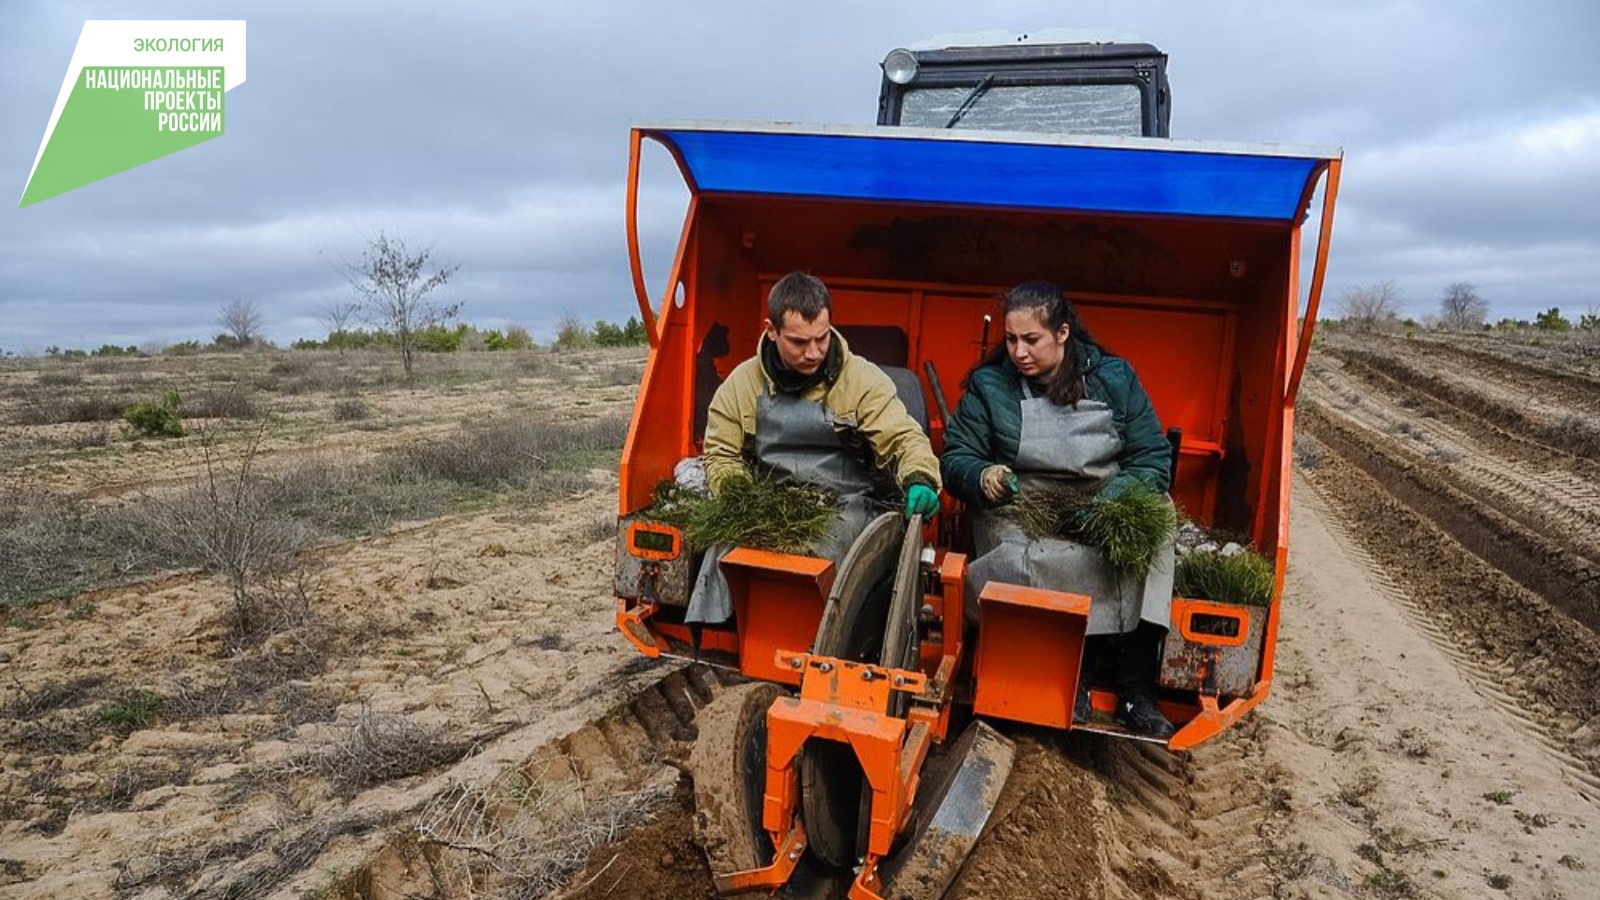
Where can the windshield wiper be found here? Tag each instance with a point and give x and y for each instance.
(972, 97)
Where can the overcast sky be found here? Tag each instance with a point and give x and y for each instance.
(496, 133)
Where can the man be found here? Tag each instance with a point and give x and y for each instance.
(805, 409)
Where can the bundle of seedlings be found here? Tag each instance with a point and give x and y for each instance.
(672, 503)
(1242, 576)
(1051, 510)
(1130, 527)
(750, 512)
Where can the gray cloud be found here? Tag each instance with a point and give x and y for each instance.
(496, 133)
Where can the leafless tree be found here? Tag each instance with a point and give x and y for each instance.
(1461, 308)
(396, 291)
(1370, 306)
(338, 315)
(242, 321)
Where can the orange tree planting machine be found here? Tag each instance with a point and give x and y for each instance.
(851, 762)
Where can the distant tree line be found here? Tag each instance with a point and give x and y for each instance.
(1376, 306)
(431, 339)
(395, 297)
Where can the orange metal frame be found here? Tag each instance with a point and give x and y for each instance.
(1203, 334)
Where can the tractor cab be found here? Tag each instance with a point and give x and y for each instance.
(1029, 84)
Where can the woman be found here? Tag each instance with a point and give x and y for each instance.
(1052, 409)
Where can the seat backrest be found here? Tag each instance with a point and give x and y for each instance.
(909, 388)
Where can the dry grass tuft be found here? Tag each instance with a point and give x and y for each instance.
(531, 832)
(378, 749)
(48, 408)
(221, 402)
(55, 545)
(30, 704)
(517, 453)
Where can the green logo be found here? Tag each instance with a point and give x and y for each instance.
(135, 92)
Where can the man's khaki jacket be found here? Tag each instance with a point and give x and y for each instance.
(861, 396)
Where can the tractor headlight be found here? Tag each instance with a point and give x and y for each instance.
(900, 66)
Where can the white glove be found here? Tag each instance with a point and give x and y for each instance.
(998, 484)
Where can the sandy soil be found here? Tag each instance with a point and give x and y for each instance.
(1385, 765)
(1434, 729)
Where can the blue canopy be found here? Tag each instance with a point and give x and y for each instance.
(1141, 176)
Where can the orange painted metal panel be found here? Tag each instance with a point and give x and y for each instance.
(1030, 648)
(777, 605)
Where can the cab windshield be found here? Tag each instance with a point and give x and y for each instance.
(1097, 109)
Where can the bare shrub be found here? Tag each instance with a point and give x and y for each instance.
(96, 435)
(1461, 308)
(338, 316)
(381, 748)
(217, 402)
(1369, 307)
(229, 522)
(242, 321)
(572, 334)
(397, 293)
(536, 831)
(351, 409)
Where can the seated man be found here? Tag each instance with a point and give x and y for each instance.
(804, 409)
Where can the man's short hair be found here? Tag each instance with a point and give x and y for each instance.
(798, 292)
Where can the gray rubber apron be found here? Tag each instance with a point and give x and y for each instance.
(1072, 447)
(796, 441)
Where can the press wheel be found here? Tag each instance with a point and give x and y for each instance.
(832, 784)
(729, 766)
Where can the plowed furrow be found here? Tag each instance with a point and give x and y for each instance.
(529, 828)
(1546, 491)
(1573, 387)
(1539, 419)
(1505, 638)
(1566, 580)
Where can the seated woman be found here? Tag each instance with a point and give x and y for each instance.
(1052, 410)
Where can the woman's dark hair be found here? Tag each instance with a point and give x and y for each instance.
(1065, 385)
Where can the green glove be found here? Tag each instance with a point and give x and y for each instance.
(921, 500)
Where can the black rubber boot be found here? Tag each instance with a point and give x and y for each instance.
(1140, 716)
(1138, 667)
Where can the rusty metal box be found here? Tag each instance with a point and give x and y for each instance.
(1212, 647)
(654, 563)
